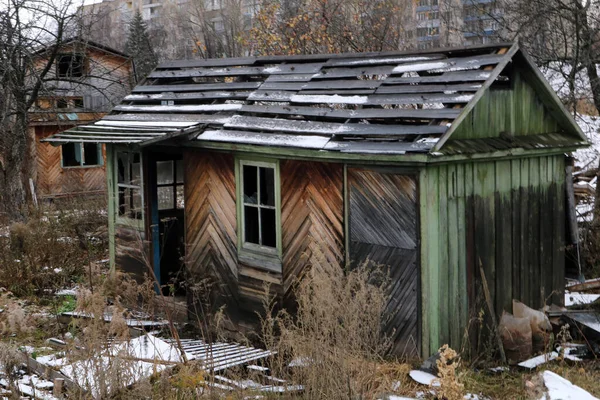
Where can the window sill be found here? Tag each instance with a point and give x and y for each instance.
(82, 166)
(267, 262)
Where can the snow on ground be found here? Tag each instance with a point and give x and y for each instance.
(561, 389)
(588, 158)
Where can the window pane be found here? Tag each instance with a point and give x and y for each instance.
(135, 170)
(123, 168)
(250, 191)
(267, 186)
(164, 172)
(136, 203)
(251, 224)
(180, 197)
(267, 219)
(179, 166)
(123, 201)
(71, 154)
(91, 154)
(165, 198)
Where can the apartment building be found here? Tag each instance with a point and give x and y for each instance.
(453, 22)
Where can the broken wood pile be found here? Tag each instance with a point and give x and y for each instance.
(125, 363)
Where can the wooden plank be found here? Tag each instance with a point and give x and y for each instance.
(424, 244)
(337, 73)
(558, 257)
(377, 147)
(190, 118)
(271, 95)
(290, 78)
(446, 77)
(445, 313)
(525, 250)
(329, 128)
(533, 234)
(545, 231)
(465, 87)
(450, 64)
(342, 84)
(211, 62)
(178, 108)
(515, 168)
(196, 87)
(207, 95)
(368, 61)
(433, 295)
(462, 298)
(392, 113)
(375, 99)
(504, 245)
(454, 263)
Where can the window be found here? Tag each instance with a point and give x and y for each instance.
(69, 66)
(81, 155)
(169, 182)
(258, 209)
(129, 185)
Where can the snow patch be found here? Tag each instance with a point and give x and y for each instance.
(576, 298)
(333, 99)
(561, 389)
(424, 378)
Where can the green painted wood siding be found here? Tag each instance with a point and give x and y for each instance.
(515, 109)
(509, 214)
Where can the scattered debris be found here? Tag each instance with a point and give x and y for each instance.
(589, 284)
(575, 298)
(424, 378)
(535, 362)
(516, 337)
(558, 388)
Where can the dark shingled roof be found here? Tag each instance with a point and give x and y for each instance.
(383, 103)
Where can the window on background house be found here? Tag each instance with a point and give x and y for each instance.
(169, 182)
(129, 185)
(81, 155)
(258, 193)
(70, 65)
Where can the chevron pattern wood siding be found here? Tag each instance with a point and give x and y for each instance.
(312, 217)
(383, 231)
(210, 220)
(53, 180)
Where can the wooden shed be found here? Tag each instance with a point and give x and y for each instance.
(429, 163)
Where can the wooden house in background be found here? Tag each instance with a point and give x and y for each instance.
(427, 163)
(86, 81)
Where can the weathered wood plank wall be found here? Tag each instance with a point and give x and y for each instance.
(54, 180)
(383, 232)
(312, 216)
(509, 214)
(515, 110)
(210, 221)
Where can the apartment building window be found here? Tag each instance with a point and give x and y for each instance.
(428, 15)
(428, 31)
(70, 66)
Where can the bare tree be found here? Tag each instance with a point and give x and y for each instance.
(25, 26)
(326, 26)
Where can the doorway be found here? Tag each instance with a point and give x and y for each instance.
(168, 221)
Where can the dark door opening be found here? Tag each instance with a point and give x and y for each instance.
(168, 222)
